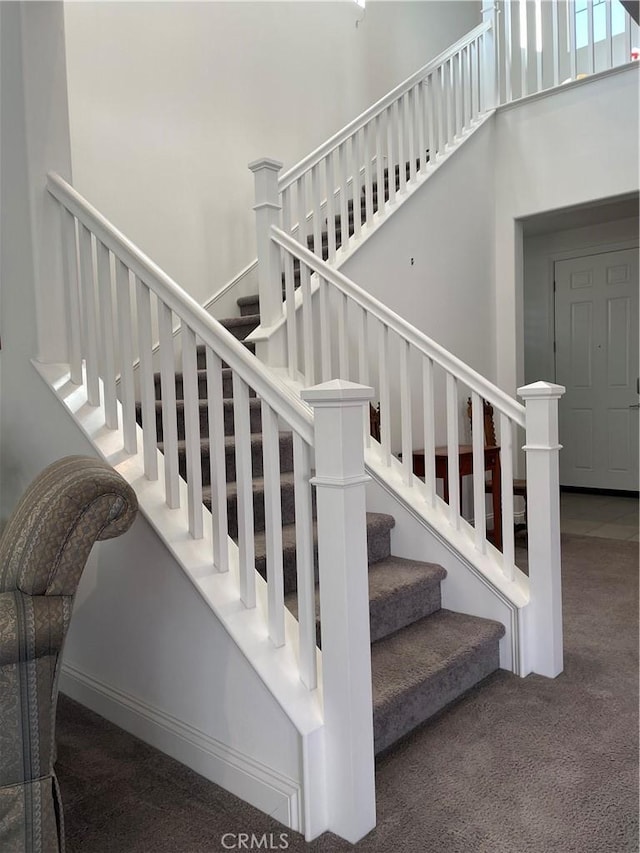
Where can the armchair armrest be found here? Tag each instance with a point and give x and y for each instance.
(31, 626)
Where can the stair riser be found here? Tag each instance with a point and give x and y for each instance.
(250, 308)
(411, 709)
(286, 460)
(287, 503)
(240, 332)
(227, 386)
(254, 419)
(201, 357)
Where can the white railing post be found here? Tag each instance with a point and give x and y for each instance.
(339, 409)
(543, 525)
(490, 65)
(267, 208)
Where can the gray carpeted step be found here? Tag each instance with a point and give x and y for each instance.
(287, 503)
(202, 362)
(286, 456)
(227, 385)
(248, 304)
(427, 665)
(241, 326)
(255, 418)
(378, 547)
(400, 592)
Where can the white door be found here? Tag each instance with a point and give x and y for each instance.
(596, 318)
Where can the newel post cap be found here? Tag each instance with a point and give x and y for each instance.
(541, 391)
(265, 163)
(337, 391)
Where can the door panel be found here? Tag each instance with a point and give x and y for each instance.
(596, 317)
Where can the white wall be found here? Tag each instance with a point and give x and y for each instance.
(446, 227)
(169, 102)
(571, 148)
(540, 253)
(142, 642)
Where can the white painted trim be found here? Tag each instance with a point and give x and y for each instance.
(208, 305)
(553, 90)
(266, 789)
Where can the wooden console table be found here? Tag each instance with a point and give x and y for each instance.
(491, 463)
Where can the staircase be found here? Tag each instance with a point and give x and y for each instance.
(423, 657)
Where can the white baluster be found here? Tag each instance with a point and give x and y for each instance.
(70, 273)
(571, 17)
(406, 411)
(89, 312)
(304, 564)
(267, 208)
(363, 363)
(316, 192)
(357, 186)
(217, 461)
(432, 118)
(344, 195)
(168, 391)
(451, 102)
(325, 330)
(453, 451)
(412, 103)
(543, 525)
(421, 118)
(343, 342)
(392, 117)
(368, 181)
(307, 323)
(123, 292)
(331, 208)
(441, 109)
(402, 148)
(145, 373)
(538, 44)
(292, 331)
(380, 147)
(385, 396)
(508, 53)
(273, 524)
(506, 472)
(479, 500)
(490, 41)
(192, 431)
(608, 36)
(302, 209)
(244, 484)
(555, 39)
(591, 66)
(344, 604)
(429, 429)
(524, 49)
(105, 297)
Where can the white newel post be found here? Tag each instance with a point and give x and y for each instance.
(339, 409)
(490, 63)
(543, 523)
(267, 208)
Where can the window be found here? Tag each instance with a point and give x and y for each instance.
(599, 20)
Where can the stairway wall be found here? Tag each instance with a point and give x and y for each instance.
(573, 147)
(169, 102)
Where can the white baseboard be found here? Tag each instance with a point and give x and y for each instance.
(267, 790)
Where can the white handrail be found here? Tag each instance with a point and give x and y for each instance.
(449, 362)
(338, 138)
(206, 327)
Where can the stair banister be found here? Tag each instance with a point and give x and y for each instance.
(447, 360)
(292, 175)
(340, 479)
(543, 487)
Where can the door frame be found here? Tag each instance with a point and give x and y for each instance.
(583, 252)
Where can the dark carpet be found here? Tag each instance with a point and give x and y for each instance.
(517, 766)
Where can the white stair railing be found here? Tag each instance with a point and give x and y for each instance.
(354, 180)
(113, 279)
(548, 42)
(333, 328)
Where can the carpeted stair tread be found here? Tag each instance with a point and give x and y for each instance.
(378, 546)
(286, 455)
(421, 669)
(255, 417)
(400, 592)
(227, 384)
(249, 304)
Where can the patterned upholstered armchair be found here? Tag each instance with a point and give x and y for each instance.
(42, 554)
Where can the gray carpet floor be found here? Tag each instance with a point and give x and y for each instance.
(517, 766)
